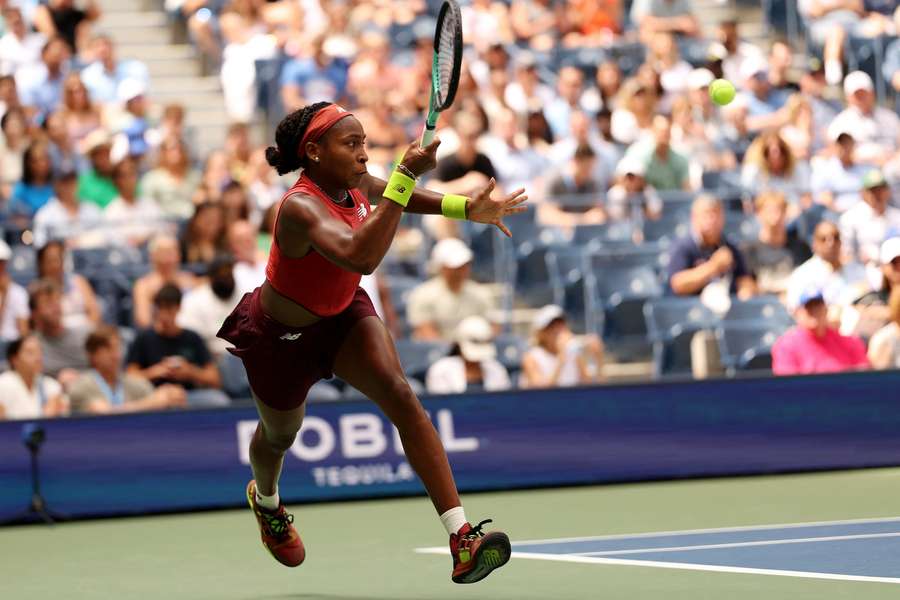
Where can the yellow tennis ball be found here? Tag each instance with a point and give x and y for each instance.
(721, 91)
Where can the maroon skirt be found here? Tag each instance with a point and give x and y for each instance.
(283, 362)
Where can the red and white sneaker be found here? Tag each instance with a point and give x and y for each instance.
(475, 553)
(277, 530)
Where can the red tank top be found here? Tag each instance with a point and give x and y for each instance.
(313, 281)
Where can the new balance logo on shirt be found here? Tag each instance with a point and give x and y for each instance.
(290, 336)
(361, 212)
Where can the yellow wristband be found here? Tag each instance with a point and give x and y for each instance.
(399, 188)
(453, 206)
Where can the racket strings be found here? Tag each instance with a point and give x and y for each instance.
(446, 56)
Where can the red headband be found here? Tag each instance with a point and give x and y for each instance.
(321, 122)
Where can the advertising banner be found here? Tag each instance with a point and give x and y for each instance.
(171, 461)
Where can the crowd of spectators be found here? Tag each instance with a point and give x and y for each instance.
(600, 108)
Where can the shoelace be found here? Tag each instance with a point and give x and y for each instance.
(476, 531)
(278, 522)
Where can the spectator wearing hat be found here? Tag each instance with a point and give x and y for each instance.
(836, 181)
(131, 219)
(558, 358)
(437, 306)
(96, 185)
(841, 282)
(575, 196)
(41, 86)
(763, 102)
(104, 76)
(25, 391)
(472, 365)
(205, 307)
(64, 217)
(131, 125)
(666, 169)
(868, 223)
(775, 253)
(106, 388)
(884, 347)
(813, 346)
(13, 301)
(706, 257)
(631, 197)
(875, 129)
(166, 353)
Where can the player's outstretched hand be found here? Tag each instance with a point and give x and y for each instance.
(420, 160)
(483, 209)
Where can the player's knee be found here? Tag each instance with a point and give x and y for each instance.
(278, 441)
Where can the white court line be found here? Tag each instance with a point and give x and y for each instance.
(832, 538)
(620, 536)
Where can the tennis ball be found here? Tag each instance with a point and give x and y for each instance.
(721, 91)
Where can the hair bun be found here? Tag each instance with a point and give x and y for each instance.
(273, 156)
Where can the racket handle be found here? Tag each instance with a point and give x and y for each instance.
(427, 135)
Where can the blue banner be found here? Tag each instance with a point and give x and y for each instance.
(198, 459)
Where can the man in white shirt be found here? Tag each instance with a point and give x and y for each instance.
(249, 261)
(13, 300)
(841, 283)
(18, 47)
(103, 76)
(865, 226)
(436, 307)
(131, 220)
(875, 128)
(836, 182)
(205, 307)
(25, 392)
(475, 368)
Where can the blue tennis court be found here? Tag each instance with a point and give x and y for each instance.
(861, 550)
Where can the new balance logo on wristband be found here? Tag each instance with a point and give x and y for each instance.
(400, 189)
(290, 336)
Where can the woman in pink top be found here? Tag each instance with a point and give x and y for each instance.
(814, 347)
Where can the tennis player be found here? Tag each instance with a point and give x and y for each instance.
(310, 319)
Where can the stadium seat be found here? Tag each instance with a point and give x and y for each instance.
(756, 359)
(510, 349)
(759, 309)
(416, 356)
(736, 339)
(400, 288)
(351, 393)
(671, 324)
(667, 229)
(619, 293)
(532, 276)
(567, 267)
(597, 235)
(322, 391)
(740, 227)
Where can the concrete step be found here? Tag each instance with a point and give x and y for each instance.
(149, 53)
(213, 116)
(187, 86)
(128, 19)
(130, 36)
(173, 68)
(114, 6)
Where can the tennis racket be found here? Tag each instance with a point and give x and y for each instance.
(444, 66)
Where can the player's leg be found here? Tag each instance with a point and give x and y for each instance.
(368, 361)
(275, 434)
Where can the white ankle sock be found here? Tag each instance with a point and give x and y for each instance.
(268, 502)
(454, 519)
(834, 72)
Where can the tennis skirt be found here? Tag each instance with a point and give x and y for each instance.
(283, 362)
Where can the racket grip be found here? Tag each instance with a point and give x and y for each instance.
(427, 136)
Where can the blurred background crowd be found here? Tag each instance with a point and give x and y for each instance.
(667, 236)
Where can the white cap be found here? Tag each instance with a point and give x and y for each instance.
(699, 79)
(857, 80)
(451, 253)
(93, 140)
(475, 338)
(633, 165)
(130, 89)
(5, 251)
(890, 250)
(752, 67)
(545, 316)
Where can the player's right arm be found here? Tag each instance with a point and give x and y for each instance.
(305, 219)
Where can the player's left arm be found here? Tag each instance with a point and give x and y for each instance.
(479, 209)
